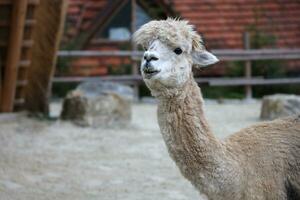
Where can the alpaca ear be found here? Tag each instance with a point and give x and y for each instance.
(203, 58)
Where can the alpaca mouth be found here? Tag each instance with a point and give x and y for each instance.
(150, 72)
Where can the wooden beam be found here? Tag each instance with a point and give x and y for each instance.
(128, 79)
(257, 54)
(19, 102)
(224, 54)
(28, 23)
(212, 81)
(22, 83)
(24, 43)
(121, 78)
(252, 81)
(9, 2)
(24, 63)
(100, 53)
(13, 56)
(248, 67)
(99, 41)
(50, 16)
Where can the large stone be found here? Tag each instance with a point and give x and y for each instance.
(98, 104)
(279, 105)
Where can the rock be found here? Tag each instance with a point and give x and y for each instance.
(98, 104)
(279, 105)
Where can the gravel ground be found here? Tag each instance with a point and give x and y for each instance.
(56, 160)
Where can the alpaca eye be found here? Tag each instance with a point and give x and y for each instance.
(178, 51)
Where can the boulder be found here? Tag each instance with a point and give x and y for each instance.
(279, 105)
(98, 104)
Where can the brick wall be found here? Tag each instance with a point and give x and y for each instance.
(221, 22)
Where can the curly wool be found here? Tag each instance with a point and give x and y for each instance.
(175, 33)
(260, 162)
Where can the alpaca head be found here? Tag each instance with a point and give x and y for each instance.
(172, 47)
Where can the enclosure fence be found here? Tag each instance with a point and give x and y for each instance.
(247, 55)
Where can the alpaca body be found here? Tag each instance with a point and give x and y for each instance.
(261, 162)
(257, 163)
(270, 156)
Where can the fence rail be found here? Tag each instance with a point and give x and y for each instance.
(224, 54)
(247, 55)
(137, 79)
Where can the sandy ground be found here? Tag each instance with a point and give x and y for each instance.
(57, 160)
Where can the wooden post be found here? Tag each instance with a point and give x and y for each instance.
(248, 69)
(50, 16)
(135, 70)
(1, 81)
(13, 55)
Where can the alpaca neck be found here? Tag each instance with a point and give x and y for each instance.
(186, 132)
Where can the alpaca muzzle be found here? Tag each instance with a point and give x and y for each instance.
(149, 71)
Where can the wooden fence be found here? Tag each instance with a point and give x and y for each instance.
(222, 54)
(247, 55)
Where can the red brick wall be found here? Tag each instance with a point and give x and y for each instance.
(99, 66)
(79, 16)
(222, 22)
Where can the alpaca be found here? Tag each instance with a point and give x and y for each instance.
(261, 162)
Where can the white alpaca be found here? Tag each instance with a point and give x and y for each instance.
(261, 162)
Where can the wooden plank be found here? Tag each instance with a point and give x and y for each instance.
(18, 102)
(225, 55)
(25, 43)
(278, 81)
(239, 81)
(252, 81)
(99, 41)
(22, 83)
(88, 53)
(248, 68)
(257, 54)
(13, 55)
(122, 78)
(50, 16)
(9, 2)
(24, 63)
(28, 23)
(126, 78)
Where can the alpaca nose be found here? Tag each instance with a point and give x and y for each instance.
(149, 57)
